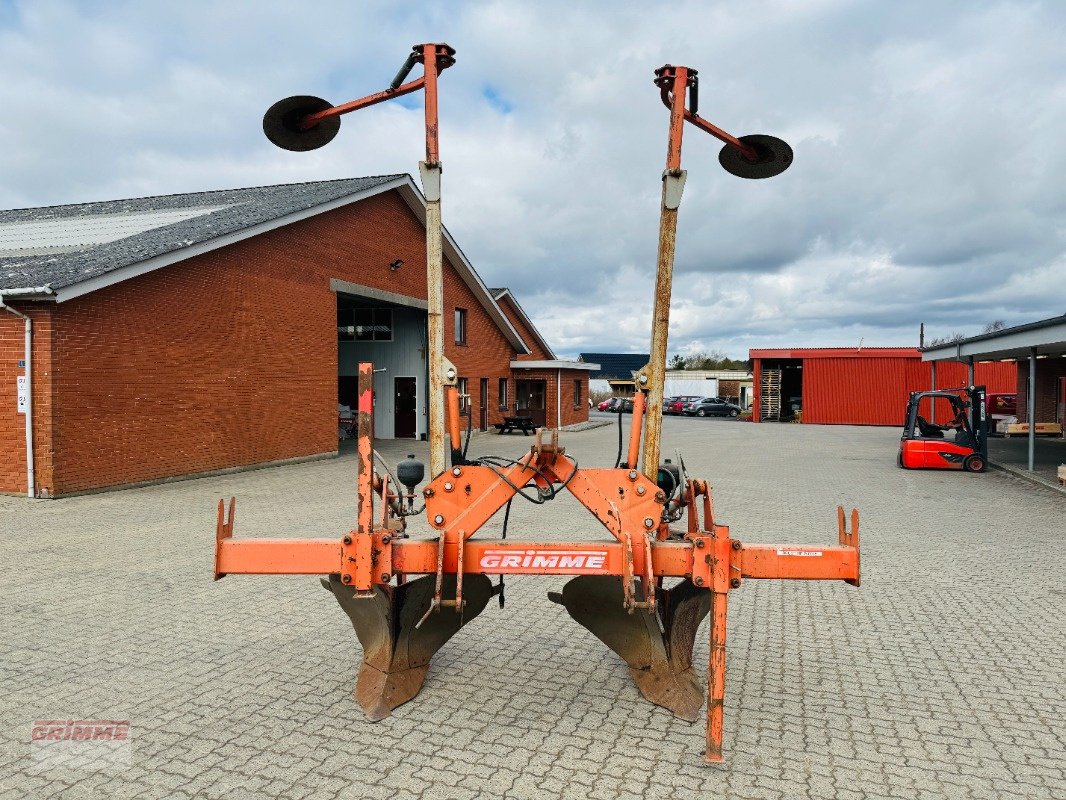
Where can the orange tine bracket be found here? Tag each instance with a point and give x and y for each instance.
(849, 538)
(720, 584)
(458, 602)
(708, 509)
(224, 530)
(649, 576)
(636, 423)
(693, 521)
(451, 415)
(435, 603)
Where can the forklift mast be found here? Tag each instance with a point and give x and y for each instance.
(979, 417)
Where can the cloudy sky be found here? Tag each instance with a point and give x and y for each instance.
(928, 182)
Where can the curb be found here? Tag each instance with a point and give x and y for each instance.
(591, 425)
(1025, 475)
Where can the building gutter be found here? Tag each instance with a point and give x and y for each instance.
(28, 357)
(31, 292)
(555, 364)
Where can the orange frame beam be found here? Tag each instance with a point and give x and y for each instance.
(510, 557)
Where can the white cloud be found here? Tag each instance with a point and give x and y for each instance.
(926, 185)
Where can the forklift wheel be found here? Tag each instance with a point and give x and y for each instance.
(974, 463)
(899, 460)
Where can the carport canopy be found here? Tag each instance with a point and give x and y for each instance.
(1034, 340)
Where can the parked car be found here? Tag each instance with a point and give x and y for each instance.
(676, 405)
(616, 404)
(712, 407)
(603, 406)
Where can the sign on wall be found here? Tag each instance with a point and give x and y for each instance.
(23, 393)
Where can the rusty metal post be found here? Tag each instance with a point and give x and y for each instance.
(365, 442)
(434, 277)
(358, 550)
(673, 184)
(716, 676)
(430, 172)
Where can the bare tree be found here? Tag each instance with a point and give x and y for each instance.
(715, 359)
(955, 336)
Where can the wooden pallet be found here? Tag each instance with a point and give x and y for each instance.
(770, 394)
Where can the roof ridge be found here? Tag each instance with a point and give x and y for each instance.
(209, 191)
(613, 354)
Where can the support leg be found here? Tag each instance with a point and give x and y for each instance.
(716, 677)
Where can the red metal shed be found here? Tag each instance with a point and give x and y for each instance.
(856, 386)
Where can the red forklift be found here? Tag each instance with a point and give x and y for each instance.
(925, 445)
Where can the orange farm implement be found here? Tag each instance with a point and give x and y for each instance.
(644, 591)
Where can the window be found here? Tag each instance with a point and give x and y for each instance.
(460, 326)
(464, 395)
(577, 394)
(364, 325)
(503, 394)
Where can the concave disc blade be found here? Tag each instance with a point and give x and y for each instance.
(281, 123)
(775, 156)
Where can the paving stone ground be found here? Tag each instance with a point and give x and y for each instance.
(941, 677)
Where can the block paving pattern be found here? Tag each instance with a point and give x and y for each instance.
(941, 677)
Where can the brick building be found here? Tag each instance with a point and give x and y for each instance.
(185, 334)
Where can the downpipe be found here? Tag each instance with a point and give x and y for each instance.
(28, 357)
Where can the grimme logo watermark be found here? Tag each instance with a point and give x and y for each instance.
(91, 744)
(543, 559)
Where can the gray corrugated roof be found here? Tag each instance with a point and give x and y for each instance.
(615, 365)
(999, 334)
(62, 245)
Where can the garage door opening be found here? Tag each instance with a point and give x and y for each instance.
(393, 337)
(781, 389)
